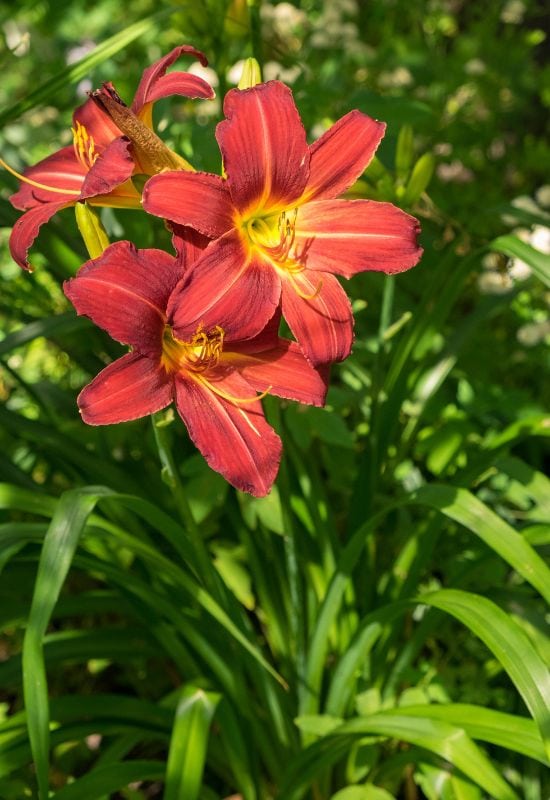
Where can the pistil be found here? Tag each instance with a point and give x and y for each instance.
(36, 184)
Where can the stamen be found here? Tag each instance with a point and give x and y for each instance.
(299, 292)
(38, 185)
(84, 146)
(230, 397)
(198, 356)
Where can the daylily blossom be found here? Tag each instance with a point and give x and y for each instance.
(212, 375)
(280, 236)
(106, 152)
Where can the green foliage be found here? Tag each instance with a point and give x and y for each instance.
(376, 627)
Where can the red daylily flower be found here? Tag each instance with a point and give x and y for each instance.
(211, 375)
(105, 154)
(280, 236)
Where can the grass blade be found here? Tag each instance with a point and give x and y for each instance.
(189, 743)
(60, 543)
(508, 643)
(465, 508)
(75, 72)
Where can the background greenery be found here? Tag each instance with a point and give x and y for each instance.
(375, 628)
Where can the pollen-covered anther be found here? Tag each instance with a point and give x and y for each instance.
(84, 146)
(198, 355)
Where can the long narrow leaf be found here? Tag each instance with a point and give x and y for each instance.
(60, 544)
(509, 644)
(189, 743)
(75, 72)
(464, 507)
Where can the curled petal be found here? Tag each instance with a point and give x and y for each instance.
(341, 154)
(196, 199)
(283, 371)
(150, 78)
(229, 287)
(129, 388)
(323, 324)
(264, 147)
(25, 230)
(351, 236)
(113, 167)
(125, 292)
(236, 441)
(182, 83)
(61, 170)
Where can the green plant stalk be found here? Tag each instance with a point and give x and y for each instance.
(205, 568)
(256, 31)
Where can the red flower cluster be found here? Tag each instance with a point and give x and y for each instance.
(264, 241)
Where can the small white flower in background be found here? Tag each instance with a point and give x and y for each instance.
(18, 40)
(275, 71)
(206, 73)
(533, 333)
(455, 172)
(475, 66)
(513, 12)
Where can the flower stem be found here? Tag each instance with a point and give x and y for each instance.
(203, 564)
(256, 30)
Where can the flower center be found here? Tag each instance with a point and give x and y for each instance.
(275, 236)
(198, 357)
(84, 146)
(200, 354)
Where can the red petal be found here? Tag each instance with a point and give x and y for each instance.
(229, 287)
(114, 166)
(323, 325)
(129, 388)
(125, 292)
(283, 371)
(350, 236)
(236, 441)
(145, 92)
(267, 339)
(61, 170)
(182, 83)
(26, 229)
(188, 244)
(264, 147)
(340, 156)
(97, 123)
(197, 199)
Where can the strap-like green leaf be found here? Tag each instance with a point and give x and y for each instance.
(60, 543)
(189, 743)
(75, 72)
(464, 507)
(508, 643)
(511, 246)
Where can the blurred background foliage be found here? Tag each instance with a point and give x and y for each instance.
(447, 384)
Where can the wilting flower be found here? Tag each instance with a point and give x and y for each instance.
(280, 236)
(111, 143)
(210, 373)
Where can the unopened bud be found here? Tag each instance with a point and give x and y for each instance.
(91, 229)
(252, 74)
(420, 178)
